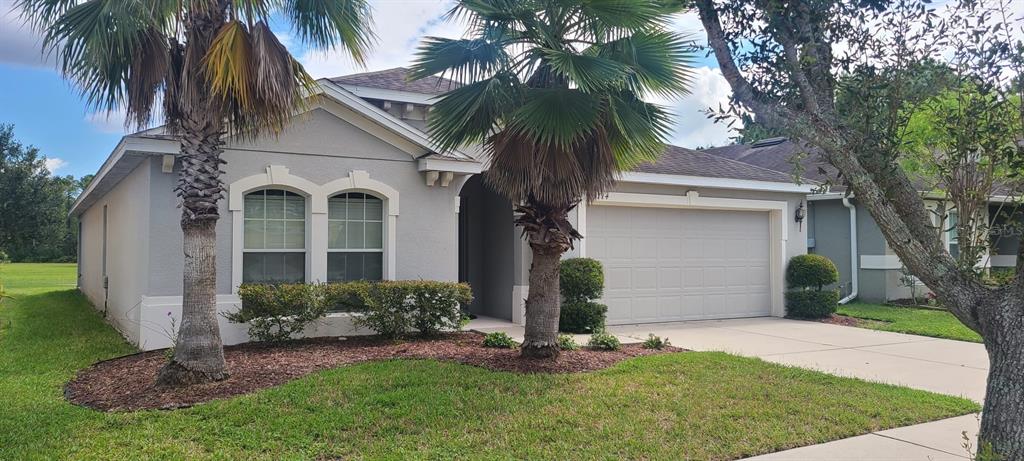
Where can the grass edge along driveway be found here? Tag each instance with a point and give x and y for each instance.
(915, 321)
(687, 405)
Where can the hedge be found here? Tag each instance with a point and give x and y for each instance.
(811, 304)
(811, 271)
(581, 282)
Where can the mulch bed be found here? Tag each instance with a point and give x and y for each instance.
(127, 383)
(845, 321)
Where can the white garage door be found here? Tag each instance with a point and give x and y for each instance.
(666, 265)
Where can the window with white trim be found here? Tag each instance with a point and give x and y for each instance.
(953, 233)
(274, 237)
(355, 237)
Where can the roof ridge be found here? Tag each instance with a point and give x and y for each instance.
(750, 165)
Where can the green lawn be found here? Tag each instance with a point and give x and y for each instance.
(924, 322)
(675, 406)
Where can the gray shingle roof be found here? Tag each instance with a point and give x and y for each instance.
(681, 161)
(778, 156)
(397, 80)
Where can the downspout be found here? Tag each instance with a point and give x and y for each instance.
(854, 275)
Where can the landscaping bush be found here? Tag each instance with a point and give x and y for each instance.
(345, 297)
(566, 343)
(1000, 276)
(655, 342)
(394, 308)
(277, 312)
(582, 279)
(811, 304)
(582, 317)
(499, 340)
(811, 271)
(604, 341)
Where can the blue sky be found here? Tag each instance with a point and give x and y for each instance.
(48, 113)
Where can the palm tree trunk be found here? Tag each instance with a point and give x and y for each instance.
(550, 235)
(198, 351)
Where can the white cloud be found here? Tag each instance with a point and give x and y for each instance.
(21, 45)
(108, 121)
(693, 128)
(54, 164)
(399, 27)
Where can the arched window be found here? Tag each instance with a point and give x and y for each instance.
(355, 237)
(274, 248)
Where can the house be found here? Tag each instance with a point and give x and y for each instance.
(840, 228)
(354, 189)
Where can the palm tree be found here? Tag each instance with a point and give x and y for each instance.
(209, 68)
(553, 90)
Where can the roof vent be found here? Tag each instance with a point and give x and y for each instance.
(768, 142)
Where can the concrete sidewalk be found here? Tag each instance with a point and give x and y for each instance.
(938, 365)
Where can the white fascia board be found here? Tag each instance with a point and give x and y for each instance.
(378, 115)
(127, 144)
(389, 95)
(714, 183)
(455, 166)
(827, 196)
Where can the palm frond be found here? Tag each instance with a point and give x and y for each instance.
(661, 61)
(468, 114)
(229, 65)
(555, 116)
(464, 60)
(329, 24)
(589, 73)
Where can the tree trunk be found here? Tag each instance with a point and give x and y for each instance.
(1002, 418)
(543, 305)
(198, 350)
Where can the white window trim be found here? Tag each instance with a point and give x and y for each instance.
(277, 176)
(778, 212)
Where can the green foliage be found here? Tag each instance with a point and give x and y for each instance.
(499, 340)
(276, 313)
(567, 343)
(581, 279)
(655, 342)
(915, 321)
(811, 271)
(582, 317)
(604, 342)
(34, 222)
(811, 304)
(394, 309)
(1000, 276)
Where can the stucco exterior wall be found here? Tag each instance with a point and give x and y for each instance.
(127, 209)
(829, 221)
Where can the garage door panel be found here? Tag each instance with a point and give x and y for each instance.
(670, 265)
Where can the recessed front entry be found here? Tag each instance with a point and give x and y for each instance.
(665, 264)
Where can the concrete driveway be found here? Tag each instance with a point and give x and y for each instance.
(938, 365)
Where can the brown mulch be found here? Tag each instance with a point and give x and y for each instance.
(843, 320)
(127, 383)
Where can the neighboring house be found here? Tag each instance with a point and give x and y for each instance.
(353, 189)
(869, 269)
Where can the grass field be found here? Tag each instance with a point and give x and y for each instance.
(673, 406)
(924, 322)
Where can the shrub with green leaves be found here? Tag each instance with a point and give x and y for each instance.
(604, 342)
(811, 271)
(276, 313)
(811, 304)
(581, 317)
(345, 296)
(567, 343)
(655, 342)
(499, 340)
(581, 279)
(394, 309)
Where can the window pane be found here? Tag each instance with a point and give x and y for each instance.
(273, 267)
(252, 268)
(295, 207)
(275, 235)
(294, 267)
(356, 207)
(253, 234)
(275, 206)
(254, 205)
(295, 235)
(355, 235)
(336, 207)
(373, 266)
(374, 235)
(374, 209)
(336, 267)
(354, 266)
(336, 235)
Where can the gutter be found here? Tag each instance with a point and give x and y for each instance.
(854, 275)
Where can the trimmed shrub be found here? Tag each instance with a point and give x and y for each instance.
(811, 304)
(394, 308)
(582, 279)
(499, 340)
(566, 343)
(581, 317)
(604, 342)
(655, 342)
(276, 312)
(811, 271)
(346, 296)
